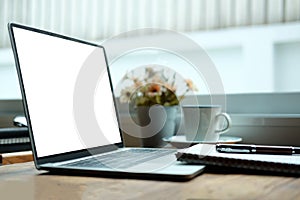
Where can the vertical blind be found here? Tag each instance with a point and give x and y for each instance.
(99, 19)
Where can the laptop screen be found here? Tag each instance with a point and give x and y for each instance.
(68, 111)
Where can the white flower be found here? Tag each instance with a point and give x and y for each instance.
(126, 94)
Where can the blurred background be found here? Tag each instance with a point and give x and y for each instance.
(255, 44)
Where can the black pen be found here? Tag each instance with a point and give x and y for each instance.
(257, 149)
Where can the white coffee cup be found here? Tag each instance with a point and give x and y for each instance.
(205, 123)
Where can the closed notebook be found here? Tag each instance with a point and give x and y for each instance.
(207, 155)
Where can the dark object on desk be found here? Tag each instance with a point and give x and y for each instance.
(289, 164)
(14, 140)
(257, 149)
(20, 121)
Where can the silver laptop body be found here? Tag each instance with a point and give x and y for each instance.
(71, 132)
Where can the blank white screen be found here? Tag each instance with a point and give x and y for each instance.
(50, 66)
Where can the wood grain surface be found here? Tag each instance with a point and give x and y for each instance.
(23, 181)
(17, 157)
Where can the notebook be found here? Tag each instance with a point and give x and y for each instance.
(205, 154)
(71, 114)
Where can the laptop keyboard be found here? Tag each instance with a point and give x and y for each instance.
(122, 159)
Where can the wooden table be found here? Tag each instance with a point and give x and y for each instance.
(23, 181)
(16, 157)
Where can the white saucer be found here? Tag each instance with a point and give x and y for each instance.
(181, 142)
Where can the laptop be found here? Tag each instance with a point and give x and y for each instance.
(71, 111)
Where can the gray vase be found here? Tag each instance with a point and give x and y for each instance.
(161, 126)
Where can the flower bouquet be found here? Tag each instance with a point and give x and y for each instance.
(155, 85)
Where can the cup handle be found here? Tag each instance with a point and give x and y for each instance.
(228, 122)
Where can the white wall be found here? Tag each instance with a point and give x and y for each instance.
(287, 66)
(264, 59)
(249, 60)
(9, 83)
(258, 59)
